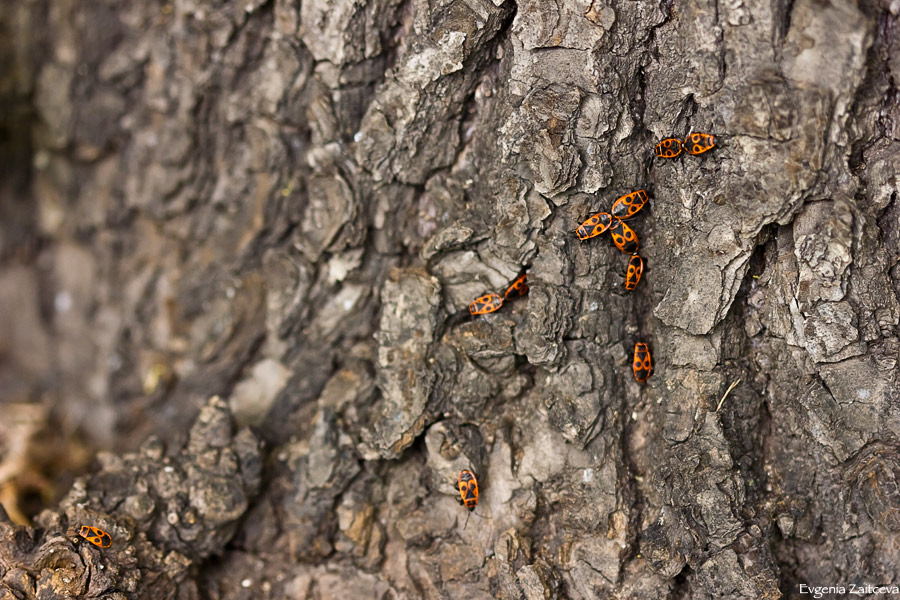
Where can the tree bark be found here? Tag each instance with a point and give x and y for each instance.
(238, 243)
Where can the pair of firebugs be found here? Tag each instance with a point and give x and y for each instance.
(622, 235)
(695, 143)
(491, 302)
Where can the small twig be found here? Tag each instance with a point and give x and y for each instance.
(728, 391)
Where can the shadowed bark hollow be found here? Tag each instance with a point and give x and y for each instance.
(237, 243)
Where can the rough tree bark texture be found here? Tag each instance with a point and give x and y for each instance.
(285, 204)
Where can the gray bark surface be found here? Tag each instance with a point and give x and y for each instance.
(237, 242)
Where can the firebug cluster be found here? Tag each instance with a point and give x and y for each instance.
(626, 240)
